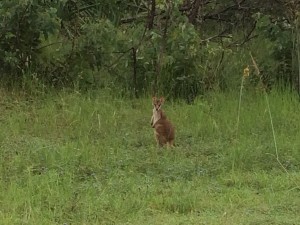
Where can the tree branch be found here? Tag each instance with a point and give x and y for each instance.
(247, 38)
(220, 35)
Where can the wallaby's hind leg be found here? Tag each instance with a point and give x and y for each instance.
(171, 143)
(161, 141)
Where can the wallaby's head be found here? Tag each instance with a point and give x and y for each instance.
(157, 102)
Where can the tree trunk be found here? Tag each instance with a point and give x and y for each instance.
(151, 14)
(134, 77)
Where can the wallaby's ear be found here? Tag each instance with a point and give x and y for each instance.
(162, 99)
(153, 100)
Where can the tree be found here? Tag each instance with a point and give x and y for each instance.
(176, 47)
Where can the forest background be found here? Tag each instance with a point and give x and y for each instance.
(177, 48)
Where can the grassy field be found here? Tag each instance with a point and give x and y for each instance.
(70, 158)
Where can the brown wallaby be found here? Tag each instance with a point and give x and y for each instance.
(164, 130)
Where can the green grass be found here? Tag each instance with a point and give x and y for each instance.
(71, 158)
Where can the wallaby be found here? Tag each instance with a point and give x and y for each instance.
(164, 130)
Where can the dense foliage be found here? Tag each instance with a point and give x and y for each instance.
(179, 48)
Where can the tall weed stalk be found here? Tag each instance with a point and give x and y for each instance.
(269, 111)
(245, 75)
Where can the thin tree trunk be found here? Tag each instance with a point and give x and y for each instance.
(194, 12)
(134, 77)
(151, 14)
